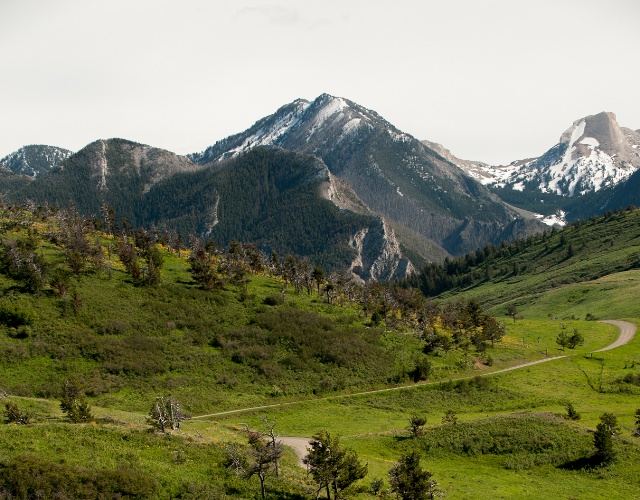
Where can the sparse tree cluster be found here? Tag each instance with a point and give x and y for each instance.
(261, 460)
(460, 325)
(571, 341)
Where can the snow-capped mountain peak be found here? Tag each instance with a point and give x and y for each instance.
(594, 153)
(314, 124)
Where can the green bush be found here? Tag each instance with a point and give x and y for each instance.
(15, 414)
(28, 476)
(533, 438)
(14, 316)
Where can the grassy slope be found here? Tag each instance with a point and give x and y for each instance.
(374, 425)
(581, 253)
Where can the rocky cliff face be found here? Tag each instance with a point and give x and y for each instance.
(378, 254)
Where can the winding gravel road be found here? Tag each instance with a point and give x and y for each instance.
(300, 444)
(627, 331)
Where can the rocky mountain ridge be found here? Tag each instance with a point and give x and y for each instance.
(282, 201)
(413, 187)
(34, 160)
(593, 154)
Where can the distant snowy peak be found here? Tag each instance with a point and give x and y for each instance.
(309, 125)
(34, 160)
(594, 153)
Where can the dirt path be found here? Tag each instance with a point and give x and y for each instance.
(299, 445)
(627, 332)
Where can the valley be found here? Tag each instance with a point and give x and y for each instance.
(321, 275)
(244, 351)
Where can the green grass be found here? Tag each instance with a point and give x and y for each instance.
(225, 349)
(375, 426)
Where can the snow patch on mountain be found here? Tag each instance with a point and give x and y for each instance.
(594, 153)
(590, 141)
(351, 126)
(34, 160)
(334, 106)
(268, 136)
(557, 219)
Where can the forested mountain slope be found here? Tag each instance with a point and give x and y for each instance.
(397, 176)
(581, 252)
(279, 200)
(34, 160)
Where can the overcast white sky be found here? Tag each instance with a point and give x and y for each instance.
(492, 80)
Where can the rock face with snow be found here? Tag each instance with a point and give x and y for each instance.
(414, 188)
(34, 160)
(593, 154)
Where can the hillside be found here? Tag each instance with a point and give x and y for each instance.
(582, 252)
(34, 160)
(126, 319)
(281, 201)
(131, 314)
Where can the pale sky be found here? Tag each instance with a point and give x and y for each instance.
(491, 80)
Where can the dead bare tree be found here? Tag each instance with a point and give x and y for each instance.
(274, 442)
(166, 413)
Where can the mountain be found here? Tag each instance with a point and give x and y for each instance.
(595, 154)
(414, 188)
(592, 154)
(114, 172)
(279, 200)
(282, 201)
(581, 252)
(476, 169)
(34, 160)
(326, 179)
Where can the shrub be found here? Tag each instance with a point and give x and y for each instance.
(533, 439)
(422, 371)
(15, 414)
(416, 425)
(572, 414)
(14, 316)
(27, 476)
(603, 441)
(75, 407)
(273, 300)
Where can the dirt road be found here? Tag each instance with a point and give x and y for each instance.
(299, 445)
(627, 332)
